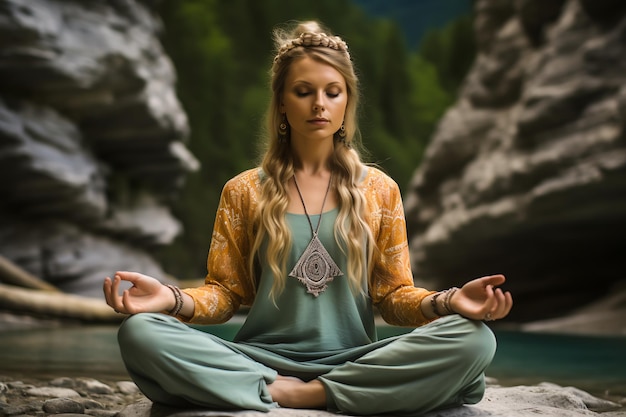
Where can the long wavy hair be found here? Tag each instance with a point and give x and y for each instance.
(352, 231)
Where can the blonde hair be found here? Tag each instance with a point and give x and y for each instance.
(308, 39)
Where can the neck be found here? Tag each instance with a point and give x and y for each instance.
(313, 157)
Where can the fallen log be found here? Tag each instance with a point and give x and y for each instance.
(10, 273)
(56, 305)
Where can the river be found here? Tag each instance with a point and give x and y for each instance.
(595, 364)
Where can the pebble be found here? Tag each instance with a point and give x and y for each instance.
(65, 397)
(63, 406)
(84, 385)
(127, 387)
(51, 392)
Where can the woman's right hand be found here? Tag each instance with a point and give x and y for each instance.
(147, 294)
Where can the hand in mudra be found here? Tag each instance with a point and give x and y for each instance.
(147, 294)
(479, 299)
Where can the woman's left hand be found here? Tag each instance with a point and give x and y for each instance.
(479, 299)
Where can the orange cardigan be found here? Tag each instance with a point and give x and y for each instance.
(228, 283)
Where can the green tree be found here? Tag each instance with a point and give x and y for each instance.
(221, 112)
(451, 50)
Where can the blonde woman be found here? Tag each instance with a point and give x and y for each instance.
(312, 240)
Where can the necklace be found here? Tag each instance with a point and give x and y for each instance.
(315, 268)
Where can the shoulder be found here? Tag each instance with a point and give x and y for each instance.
(384, 201)
(379, 186)
(246, 180)
(243, 188)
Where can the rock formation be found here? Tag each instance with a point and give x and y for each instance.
(64, 396)
(526, 173)
(92, 140)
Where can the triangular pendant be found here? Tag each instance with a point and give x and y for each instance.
(315, 268)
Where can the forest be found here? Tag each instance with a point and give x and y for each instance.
(222, 53)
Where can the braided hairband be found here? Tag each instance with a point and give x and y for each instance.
(312, 39)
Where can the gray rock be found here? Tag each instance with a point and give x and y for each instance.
(93, 386)
(535, 15)
(105, 66)
(74, 260)
(21, 409)
(601, 317)
(143, 219)
(543, 399)
(525, 174)
(59, 176)
(594, 403)
(88, 117)
(57, 173)
(127, 387)
(97, 401)
(489, 17)
(521, 401)
(497, 76)
(56, 392)
(64, 382)
(63, 406)
(101, 413)
(19, 385)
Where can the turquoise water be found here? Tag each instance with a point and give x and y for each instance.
(596, 364)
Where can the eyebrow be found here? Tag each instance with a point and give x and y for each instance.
(339, 83)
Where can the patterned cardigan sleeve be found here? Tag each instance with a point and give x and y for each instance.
(228, 283)
(391, 284)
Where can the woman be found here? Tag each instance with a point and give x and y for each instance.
(311, 241)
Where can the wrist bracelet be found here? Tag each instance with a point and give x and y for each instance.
(446, 301)
(179, 300)
(433, 303)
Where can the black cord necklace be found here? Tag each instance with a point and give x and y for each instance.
(315, 268)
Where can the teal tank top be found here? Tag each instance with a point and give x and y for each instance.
(299, 324)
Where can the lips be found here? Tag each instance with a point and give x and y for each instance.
(318, 120)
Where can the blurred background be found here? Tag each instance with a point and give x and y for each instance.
(122, 120)
(503, 122)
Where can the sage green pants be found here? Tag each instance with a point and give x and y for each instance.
(435, 366)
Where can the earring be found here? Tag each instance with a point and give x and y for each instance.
(342, 131)
(283, 130)
(341, 134)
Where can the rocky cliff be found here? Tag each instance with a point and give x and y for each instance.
(526, 173)
(92, 140)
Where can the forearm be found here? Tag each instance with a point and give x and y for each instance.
(188, 308)
(210, 304)
(402, 307)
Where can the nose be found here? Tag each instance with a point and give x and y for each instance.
(318, 105)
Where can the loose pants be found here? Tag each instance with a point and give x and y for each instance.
(438, 365)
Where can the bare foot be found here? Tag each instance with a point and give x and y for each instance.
(291, 392)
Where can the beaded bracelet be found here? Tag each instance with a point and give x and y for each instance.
(433, 303)
(447, 294)
(179, 300)
(446, 301)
